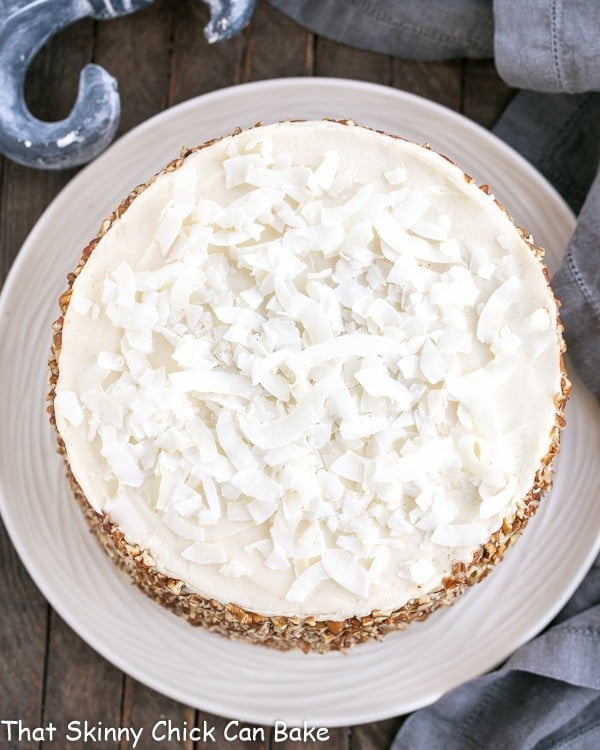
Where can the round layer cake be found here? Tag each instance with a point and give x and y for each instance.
(308, 384)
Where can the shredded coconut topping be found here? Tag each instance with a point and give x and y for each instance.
(315, 358)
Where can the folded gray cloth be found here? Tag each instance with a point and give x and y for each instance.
(547, 45)
(548, 694)
(560, 135)
(419, 29)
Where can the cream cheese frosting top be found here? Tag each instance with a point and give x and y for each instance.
(308, 370)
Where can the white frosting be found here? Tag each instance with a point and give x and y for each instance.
(309, 370)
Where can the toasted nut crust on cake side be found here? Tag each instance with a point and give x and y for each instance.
(282, 632)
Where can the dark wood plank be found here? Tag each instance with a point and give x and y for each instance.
(233, 736)
(196, 66)
(53, 78)
(23, 628)
(80, 686)
(485, 94)
(338, 739)
(25, 195)
(145, 708)
(375, 736)
(51, 90)
(339, 61)
(276, 46)
(438, 81)
(136, 49)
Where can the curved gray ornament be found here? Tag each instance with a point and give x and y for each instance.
(227, 18)
(93, 121)
(25, 26)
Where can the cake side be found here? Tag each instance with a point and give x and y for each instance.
(282, 631)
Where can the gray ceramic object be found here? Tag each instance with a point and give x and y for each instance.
(227, 18)
(25, 26)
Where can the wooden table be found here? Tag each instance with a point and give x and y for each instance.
(159, 56)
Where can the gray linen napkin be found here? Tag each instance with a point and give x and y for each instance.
(548, 693)
(560, 135)
(546, 696)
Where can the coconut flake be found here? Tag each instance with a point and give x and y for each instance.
(258, 485)
(235, 569)
(422, 571)
(430, 231)
(306, 583)
(311, 316)
(263, 546)
(342, 348)
(186, 501)
(235, 449)
(111, 361)
(363, 426)
(539, 320)
(138, 317)
(349, 466)
(285, 430)
(237, 511)
(341, 567)
(396, 176)
(203, 381)
(125, 280)
(341, 214)
(493, 313)
(323, 176)
(121, 462)
(494, 503)
(67, 406)
(432, 363)
(252, 297)
(460, 535)
(99, 403)
(205, 553)
(236, 168)
(183, 528)
(169, 227)
(81, 305)
(381, 385)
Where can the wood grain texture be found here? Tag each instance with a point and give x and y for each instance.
(276, 47)
(51, 89)
(136, 49)
(23, 627)
(339, 739)
(80, 685)
(485, 95)
(144, 708)
(53, 78)
(25, 195)
(376, 735)
(239, 736)
(438, 81)
(339, 61)
(196, 66)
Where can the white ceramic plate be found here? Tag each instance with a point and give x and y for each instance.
(251, 683)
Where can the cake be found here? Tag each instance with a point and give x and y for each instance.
(308, 384)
